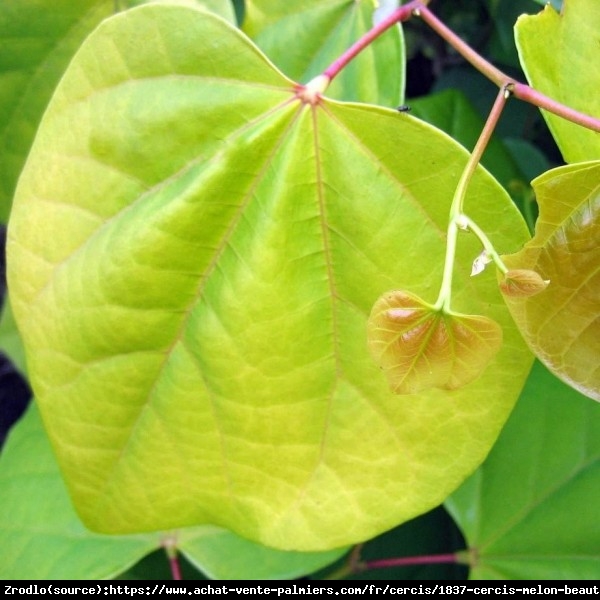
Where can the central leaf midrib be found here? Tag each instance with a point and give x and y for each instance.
(112, 478)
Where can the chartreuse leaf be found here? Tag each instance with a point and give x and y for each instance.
(305, 37)
(39, 38)
(560, 54)
(561, 324)
(42, 537)
(420, 346)
(531, 510)
(193, 256)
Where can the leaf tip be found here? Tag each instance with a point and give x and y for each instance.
(522, 283)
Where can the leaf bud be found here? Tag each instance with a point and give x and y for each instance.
(521, 283)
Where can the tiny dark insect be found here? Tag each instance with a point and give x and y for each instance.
(403, 108)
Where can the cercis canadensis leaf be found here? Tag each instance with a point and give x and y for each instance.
(420, 347)
(562, 324)
(192, 269)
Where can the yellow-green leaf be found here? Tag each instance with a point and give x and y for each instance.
(193, 255)
(38, 38)
(562, 324)
(560, 54)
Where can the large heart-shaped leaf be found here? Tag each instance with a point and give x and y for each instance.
(39, 38)
(531, 510)
(560, 54)
(321, 30)
(42, 538)
(194, 251)
(562, 324)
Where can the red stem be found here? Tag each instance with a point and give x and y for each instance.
(403, 13)
(528, 94)
(501, 79)
(175, 567)
(431, 559)
(481, 64)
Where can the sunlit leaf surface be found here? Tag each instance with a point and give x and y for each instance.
(42, 538)
(38, 39)
(562, 323)
(193, 256)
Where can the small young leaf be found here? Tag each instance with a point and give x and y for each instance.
(562, 325)
(520, 283)
(420, 347)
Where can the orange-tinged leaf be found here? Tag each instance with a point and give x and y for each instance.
(562, 325)
(521, 283)
(420, 347)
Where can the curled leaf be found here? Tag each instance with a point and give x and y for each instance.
(562, 325)
(521, 283)
(421, 347)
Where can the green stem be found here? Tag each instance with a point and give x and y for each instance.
(485, 242)
(457, 219)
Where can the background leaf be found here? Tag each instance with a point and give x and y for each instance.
(451, 111)
(222, 555)
(35, 53)
(561, 324)
(560, 54)
(194, 305)
(41, 537)
(40, 534)
(304, 38)
(531, 511)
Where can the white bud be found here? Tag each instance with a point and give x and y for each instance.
(480, 263)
